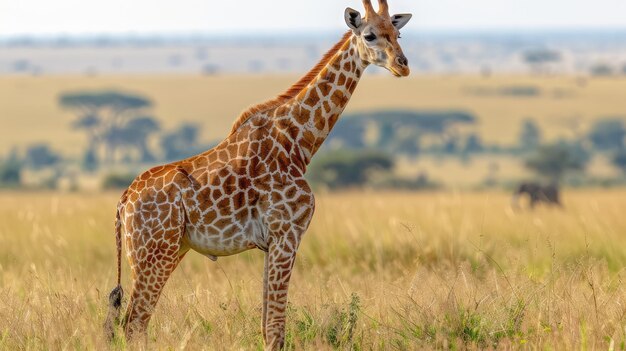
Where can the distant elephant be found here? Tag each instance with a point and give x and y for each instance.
(548, 194)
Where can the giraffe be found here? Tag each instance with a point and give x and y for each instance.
(249, 191)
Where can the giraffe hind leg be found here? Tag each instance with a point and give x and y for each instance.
(146, 289)
(154, 252)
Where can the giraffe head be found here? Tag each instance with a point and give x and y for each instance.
(377, 36)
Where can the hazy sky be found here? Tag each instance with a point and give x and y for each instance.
(210, 16)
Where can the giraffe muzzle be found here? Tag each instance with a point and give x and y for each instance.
(401, 66)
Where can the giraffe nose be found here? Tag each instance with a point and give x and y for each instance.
(402, 60)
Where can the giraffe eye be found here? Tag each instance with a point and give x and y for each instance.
(370, 37)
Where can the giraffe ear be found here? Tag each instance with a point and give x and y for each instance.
(400, 20)
(353, 19)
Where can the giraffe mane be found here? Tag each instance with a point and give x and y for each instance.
(294, 89)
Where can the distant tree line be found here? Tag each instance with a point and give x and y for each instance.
(362, 150)
(404, 133)
(396, 134)
(545, 61)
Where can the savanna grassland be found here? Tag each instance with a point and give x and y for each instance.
(375, 271)
(562, 106)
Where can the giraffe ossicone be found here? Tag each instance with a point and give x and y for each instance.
(249, 191)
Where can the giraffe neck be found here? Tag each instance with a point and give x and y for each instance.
(316, 109)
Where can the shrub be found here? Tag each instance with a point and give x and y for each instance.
(530, 135)
(10, 174)
(619, 160)
(601, 70)
(344, 169)
(555, 160)
(117, 181)
(608, 134)
(40, 156)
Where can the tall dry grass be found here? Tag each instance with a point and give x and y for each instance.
(375, 271)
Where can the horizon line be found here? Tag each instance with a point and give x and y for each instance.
(165, 34)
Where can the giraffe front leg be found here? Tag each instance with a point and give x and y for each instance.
(279, 264)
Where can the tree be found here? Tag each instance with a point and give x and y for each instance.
(118, 103)
(451, 145)
(90, 124)
(619, 160)
(40, 156)
(473, 144)
(348, 169)
(409, 145)
(530, 135)
(11, 171)
(601, 70)
(555, 160)
(181, 143)
(142, 128)
(89, 162)
(134, 135)
(608, 134)
(538, 59)
(349, 132)
(117, 181)
(100, 114)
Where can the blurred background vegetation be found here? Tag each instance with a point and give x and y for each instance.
(378, 148)
(482, 109)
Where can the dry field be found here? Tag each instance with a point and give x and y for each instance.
(29, 111)
(376, 271)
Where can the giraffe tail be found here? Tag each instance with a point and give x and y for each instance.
(115, 297)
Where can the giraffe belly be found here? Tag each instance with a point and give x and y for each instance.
(232, 239)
